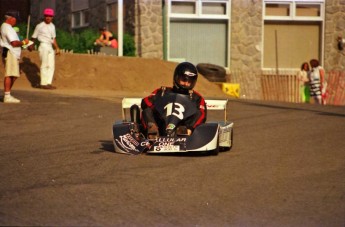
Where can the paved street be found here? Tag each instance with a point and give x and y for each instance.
(58, 168)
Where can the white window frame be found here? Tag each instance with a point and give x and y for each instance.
(198, 8)
(293, 5)
(293, 17)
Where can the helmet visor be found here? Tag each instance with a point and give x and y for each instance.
(187, 80)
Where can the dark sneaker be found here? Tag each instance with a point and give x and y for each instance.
(44, 87)
(48, 87)
(51, 86)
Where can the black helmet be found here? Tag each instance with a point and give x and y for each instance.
(185, 72)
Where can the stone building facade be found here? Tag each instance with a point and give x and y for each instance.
(246, 35)
(149, 28)
(334, 59)
(145, 20)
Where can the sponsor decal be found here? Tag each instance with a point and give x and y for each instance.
(170, 140)
(212, 106)
(145, 144)
(128, 142)
(171, 126)
(166, 144)
(167, 148)
(189, 73)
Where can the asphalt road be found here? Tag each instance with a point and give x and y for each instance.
(58, 168)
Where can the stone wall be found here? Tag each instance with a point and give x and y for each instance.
(149, 29)
(334, 27)
(246, 29)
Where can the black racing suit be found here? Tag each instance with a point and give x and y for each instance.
(149, 115)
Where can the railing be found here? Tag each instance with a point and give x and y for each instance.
(335, 92)
(286, 87)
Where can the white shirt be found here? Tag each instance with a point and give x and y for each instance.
(8, 35)
(315, 73)
(45, 33)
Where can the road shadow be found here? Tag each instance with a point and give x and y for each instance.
(31, 71)
(107, 145)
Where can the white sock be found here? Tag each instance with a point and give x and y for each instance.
(7, 93)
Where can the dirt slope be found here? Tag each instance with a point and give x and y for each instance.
(106, 75)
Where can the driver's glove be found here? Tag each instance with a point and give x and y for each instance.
(170, 132)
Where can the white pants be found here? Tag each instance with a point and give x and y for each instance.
(47, 56)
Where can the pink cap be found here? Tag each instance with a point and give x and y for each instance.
(48, 12)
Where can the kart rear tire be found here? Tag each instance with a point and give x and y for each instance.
(135, 114)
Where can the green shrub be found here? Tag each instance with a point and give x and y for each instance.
(66, 40)
(79, 42)
(86, 39)
(128, 45)
(82, 40)
(22, 31)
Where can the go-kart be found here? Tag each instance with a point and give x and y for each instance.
(209, 137)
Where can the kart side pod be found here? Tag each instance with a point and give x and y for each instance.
(204, 138)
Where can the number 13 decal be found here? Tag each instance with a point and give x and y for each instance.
(177, 111)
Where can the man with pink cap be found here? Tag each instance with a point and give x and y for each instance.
(45, 33)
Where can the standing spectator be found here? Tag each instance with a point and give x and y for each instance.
(11, 51)
(316, 78)
(46, 35)
(304, 82)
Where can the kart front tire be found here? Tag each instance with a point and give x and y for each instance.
(223, 149)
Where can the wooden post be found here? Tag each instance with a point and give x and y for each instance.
(28, 28)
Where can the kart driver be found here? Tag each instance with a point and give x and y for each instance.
(185, 77)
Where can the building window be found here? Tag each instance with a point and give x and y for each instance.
(112, 12)
(308, 10)
(293, 32)
(189, 20)
(293, 10)
(183, 7)
(205, 9)
(215, 8)
(80, 13)
(112, 15)
(273, 9)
